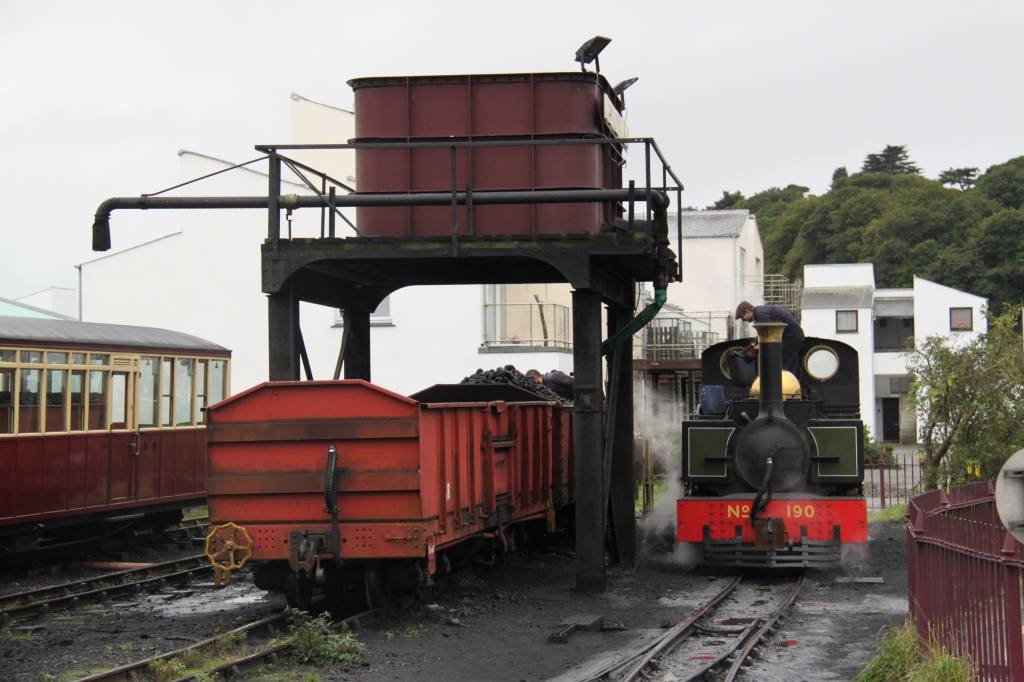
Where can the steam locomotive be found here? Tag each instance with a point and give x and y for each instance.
(773, 467)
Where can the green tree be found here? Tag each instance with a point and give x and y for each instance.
(964, 178)
(894, 159)
(1005, 183)
(970, 399)
(728, 200)
(839, 176)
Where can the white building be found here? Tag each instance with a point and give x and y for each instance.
(723, 264)
(60, 300)
(841, 302)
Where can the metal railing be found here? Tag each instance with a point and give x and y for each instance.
(532, 325)
(964, 574)
(676, 336)
(893, 479)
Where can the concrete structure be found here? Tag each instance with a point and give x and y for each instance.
(840, 302)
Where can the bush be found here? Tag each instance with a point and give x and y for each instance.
(902, 658)
(313, 642)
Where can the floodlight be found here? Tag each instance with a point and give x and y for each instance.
(589, 50)
(624, 85)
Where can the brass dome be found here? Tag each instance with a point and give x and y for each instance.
(790, 386)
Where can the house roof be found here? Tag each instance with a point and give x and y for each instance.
(704, 224)
(837, 297)
(22, 330)
(18, 309)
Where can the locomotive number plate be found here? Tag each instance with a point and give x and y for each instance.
(792, 511)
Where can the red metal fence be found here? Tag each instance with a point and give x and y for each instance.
(964, 578)
(895, 481)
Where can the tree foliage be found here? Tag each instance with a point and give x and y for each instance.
(964, 178)
(894, 160)
(906, 224)
(728, 200)
(971, 400)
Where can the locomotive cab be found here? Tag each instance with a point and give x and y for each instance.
(774, 477)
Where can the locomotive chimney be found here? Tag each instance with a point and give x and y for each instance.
(769, 338)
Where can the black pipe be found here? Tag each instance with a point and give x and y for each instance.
(769, 337)
(658, 200)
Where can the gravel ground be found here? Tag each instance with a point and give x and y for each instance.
(495, 626)
(490, 625)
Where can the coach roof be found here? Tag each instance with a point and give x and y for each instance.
(26, 330)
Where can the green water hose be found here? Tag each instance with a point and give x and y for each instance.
(637, 323)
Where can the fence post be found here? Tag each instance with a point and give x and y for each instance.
(1011, 597)
(881, 481)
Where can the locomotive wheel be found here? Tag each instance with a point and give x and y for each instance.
(298, 590)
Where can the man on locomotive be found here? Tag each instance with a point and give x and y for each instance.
(792, 335)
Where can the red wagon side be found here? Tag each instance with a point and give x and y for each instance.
(409, 477)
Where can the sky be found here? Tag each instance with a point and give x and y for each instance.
(98, 97)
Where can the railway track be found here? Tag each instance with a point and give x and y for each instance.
(235, 664)
(99, 588)
(680, 654)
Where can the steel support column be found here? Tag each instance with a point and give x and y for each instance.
(623, 485)
(283, 328)
(357, 344)
(591, 509)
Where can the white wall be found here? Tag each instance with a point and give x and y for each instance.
(839, 275)
(932, 302)
(822, 323)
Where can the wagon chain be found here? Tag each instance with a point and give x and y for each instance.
(100, 587)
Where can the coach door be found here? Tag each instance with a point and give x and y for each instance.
(124, 437)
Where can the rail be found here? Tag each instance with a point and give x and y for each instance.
(965, 575)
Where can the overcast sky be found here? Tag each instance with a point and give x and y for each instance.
(99, 96)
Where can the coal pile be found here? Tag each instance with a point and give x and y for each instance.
(510, 375)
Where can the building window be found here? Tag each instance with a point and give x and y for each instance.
(961, 319)
(381, 317)
(846, 321)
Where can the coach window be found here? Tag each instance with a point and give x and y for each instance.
(6, 397)
(166, 384)
(182, 392)
(28, 400)
(78, 399)
(149, 379)
(97, 399)
(200, 391)
(118, 400)
(56, 396)
(217, 377)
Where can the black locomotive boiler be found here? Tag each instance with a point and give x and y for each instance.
(773, 467)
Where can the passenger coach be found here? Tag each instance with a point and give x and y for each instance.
(101, 424)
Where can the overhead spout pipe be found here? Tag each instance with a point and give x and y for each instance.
(656, 199)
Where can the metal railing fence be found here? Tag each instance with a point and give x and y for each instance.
(894, 480)
(964, 579)
(535, 325)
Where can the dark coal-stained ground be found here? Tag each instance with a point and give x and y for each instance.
(491, 624)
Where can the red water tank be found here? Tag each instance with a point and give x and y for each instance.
(508, 107)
